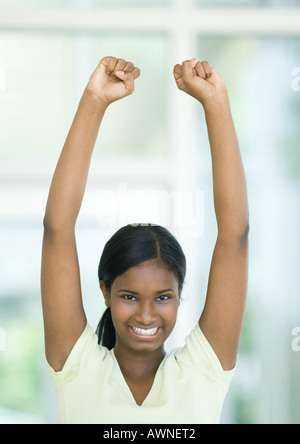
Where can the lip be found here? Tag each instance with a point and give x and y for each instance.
(146, 336)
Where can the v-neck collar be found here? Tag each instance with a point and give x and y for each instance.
(126, 386)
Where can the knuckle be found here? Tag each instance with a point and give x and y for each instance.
(110, 59)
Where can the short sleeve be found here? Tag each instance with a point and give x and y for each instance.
(85, 351)
(199, 353)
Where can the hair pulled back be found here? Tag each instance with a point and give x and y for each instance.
(127, 248)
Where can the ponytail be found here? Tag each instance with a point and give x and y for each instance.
(106, 330)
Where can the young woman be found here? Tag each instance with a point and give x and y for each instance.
(123, 375)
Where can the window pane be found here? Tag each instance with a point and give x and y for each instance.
(45, 75)
(22, 358)
(259, 72)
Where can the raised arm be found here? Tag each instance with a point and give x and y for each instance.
(222, 317)
(64, 317)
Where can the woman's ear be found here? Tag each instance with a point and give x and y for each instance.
(105, 294)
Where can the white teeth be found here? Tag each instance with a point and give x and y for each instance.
(142, 332)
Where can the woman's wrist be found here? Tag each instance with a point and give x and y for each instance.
(216, 103)
(94, 102)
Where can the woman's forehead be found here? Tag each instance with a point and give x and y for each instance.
(151, 276)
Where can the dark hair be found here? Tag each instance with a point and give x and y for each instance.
(129, 247)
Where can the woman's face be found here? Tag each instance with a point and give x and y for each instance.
(144, 303)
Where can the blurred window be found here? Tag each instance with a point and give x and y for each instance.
(153, 141)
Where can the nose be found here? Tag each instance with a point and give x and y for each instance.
(146, 314)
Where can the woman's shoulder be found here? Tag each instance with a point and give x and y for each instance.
(85, 351)
(198, 354)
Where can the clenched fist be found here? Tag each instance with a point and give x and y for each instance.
(112, 80)
(200, 80)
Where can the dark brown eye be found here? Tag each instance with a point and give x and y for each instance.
(163, 298)
(129, 297)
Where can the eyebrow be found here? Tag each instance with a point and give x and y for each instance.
(157, 292)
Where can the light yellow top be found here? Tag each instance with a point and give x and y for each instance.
(189, 387)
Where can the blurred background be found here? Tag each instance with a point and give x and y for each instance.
(153, 147)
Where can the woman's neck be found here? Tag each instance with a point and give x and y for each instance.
(138, 365)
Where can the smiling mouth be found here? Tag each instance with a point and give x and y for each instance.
(143, 332)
